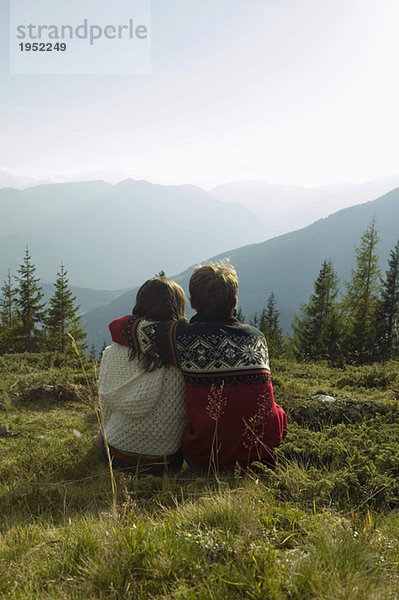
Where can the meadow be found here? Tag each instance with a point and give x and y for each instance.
(323, 525)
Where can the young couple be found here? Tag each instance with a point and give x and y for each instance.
(201, 389)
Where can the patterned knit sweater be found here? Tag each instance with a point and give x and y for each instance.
(233, 418)
(143, 412)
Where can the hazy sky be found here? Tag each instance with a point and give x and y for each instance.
(292, 91)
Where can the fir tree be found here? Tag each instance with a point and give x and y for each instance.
(102, 349)
(361, 300)
(387, 317)
(7, 302)
(30, 308)
(269, 326)
(8, 319)
(317, 330)
(62, 317)
(240, 315)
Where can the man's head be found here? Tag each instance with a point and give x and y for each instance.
(214, 290)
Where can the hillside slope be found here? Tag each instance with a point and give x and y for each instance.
(288, 264)
(323, 524)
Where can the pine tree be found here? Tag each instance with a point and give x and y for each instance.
(62, 318)
(30, 308)
(240, 315)
(8, 319)
(387, 316)
(269, 326)
(102, 349)
(7, 302)
(317, 330)
(361, 300)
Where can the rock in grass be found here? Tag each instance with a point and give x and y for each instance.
(324, 398)
(4, 431)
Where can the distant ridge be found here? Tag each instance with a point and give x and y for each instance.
(288, 264)
(10, 179)
(291, 207)
(113, 236)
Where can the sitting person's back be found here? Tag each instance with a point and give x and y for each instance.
(141, 397)
(143, 412)
(233, 418)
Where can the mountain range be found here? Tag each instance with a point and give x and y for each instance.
(113, 236)
(15, 180)
(287, 265)
(290, 207)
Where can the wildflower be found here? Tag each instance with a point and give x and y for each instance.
(255, 425)
(215, 409)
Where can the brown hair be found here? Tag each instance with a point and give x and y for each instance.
(161, 299)
(214, 290)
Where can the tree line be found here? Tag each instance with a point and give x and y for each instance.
(358, 326)
(27, 324)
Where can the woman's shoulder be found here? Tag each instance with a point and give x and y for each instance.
(116, 355)
(116, 350)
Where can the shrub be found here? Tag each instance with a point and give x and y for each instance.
(370, 376)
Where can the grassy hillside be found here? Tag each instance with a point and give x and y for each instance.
(323, 525)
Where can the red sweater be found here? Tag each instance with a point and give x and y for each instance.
(233, 418)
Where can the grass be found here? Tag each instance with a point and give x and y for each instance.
(324, 525)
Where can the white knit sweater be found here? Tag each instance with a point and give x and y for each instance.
(143, 412)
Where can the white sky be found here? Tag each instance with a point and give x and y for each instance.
(292, 91)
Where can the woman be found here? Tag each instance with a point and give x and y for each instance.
(142, 400)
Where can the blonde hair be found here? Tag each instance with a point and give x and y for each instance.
(214, 290)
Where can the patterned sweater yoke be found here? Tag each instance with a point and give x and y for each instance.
(203, 349)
